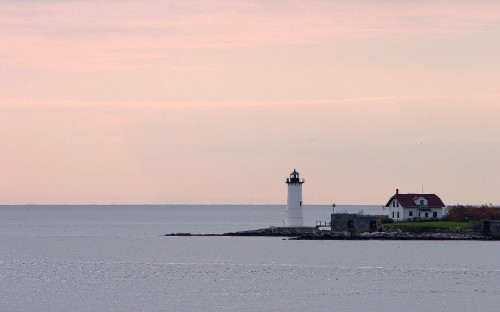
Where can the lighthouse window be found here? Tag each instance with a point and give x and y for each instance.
(300, 204)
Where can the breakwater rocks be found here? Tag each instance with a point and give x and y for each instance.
(280, 231)
(313, 233)
(393, 236)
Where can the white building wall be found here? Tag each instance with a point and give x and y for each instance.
(406, 213)
(430, 213)
(440, 212)
(294, 211)
(396, 211)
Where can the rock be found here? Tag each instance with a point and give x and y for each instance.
(312, 233)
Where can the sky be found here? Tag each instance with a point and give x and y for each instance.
(216, 102)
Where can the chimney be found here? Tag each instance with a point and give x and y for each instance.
(397, 191)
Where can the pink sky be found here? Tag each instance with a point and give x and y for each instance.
(217, 101)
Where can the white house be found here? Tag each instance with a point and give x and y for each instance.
(404, 207)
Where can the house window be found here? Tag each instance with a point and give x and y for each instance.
(394, 204)
(435, 214)
(393, 214)
(421, 203)
(410, 213)
(426, 214)
(398, 214)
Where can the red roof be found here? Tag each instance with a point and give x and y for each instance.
(408, 200)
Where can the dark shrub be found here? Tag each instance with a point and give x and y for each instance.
(472, 213)
(386, 219)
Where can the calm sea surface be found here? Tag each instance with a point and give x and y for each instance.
(114, 258)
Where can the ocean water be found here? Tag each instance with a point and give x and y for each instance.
(114, 258)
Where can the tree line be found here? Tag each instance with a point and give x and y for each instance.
(472, 213)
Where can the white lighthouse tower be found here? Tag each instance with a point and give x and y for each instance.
(294, 213)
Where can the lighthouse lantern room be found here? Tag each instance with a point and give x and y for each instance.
(294, 213)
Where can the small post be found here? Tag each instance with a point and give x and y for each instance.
(333, 208)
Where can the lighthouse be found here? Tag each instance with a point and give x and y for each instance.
(294, 213)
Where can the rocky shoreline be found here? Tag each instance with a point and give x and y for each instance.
(312, 233)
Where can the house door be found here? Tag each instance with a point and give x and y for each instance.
(486, 226)
(350, 226)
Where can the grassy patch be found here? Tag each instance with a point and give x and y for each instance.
(433, 224)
